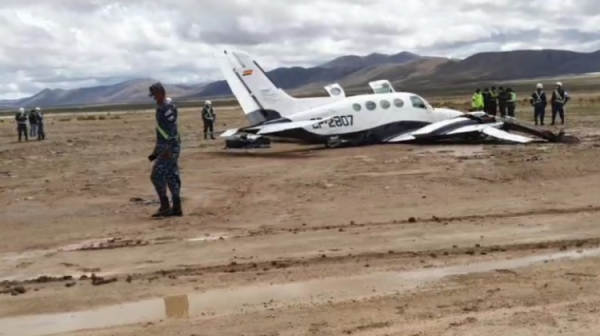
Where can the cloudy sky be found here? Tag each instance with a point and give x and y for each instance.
(74, 43)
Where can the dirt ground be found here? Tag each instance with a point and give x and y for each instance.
(381, 240)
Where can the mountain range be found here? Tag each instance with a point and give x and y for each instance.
(352, 72)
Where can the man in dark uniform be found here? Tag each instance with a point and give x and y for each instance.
(208, 118)
(165, 172)
(40, 118)
(33, 123)
(486, 100)
(559, 99)
(502, 98)
(538, 101)
(493, 110)
(21, 119)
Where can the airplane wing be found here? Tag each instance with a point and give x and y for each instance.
(460, 127)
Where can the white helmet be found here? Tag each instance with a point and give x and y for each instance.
(539, 86)
(208, 102)
(21, 110)
(558, 84)
(37, 109)
(169, 100)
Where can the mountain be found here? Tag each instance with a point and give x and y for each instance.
(130, 91)
(519, 64)
(405, 70)
(353, 61)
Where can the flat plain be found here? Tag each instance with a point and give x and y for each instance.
(294, 240)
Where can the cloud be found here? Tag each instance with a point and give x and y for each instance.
(69, 43)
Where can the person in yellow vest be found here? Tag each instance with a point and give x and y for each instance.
(538, 101)
(477, 101)
(559, 99)
(511, 102)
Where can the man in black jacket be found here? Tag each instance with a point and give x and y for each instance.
(208, 118)
(21, 119)
(502, 97)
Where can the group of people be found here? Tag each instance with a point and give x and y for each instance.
(558, 100)
(492, 100)
(505, 100)
(35, 120)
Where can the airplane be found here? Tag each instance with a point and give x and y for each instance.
(384, 116)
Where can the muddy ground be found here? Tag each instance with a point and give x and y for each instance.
(382, 240)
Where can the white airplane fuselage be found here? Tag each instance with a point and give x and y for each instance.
(366, 112)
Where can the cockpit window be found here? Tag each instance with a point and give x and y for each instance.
(398, 102)
(385, 104)
(370, 105)
(417, 102)
(356, 107)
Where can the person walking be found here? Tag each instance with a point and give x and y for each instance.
(165, 172)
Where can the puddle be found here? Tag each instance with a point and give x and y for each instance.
(458, 151)
(398, 173)
(209, 237)
(224, 301)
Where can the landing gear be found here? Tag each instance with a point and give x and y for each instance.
(245, 141)
(333, 142)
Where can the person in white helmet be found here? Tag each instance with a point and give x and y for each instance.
(21, 119)
(208, 118)
(538, 101)
(559, 99)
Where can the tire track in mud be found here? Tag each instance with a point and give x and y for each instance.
(323, 259)
(433, 219)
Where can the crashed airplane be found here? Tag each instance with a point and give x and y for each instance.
(385, 116)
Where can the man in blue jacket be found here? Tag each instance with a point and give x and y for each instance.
(165, 156)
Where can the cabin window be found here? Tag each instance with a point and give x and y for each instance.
(398, 102)
(356, 107)
(370, 105)
(385, 104)
(417, 102)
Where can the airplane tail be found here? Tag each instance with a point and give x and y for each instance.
(260, 99)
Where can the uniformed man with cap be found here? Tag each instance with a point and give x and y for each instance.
(538, 101)
(165, 172)
(559, 99)
(21, 119)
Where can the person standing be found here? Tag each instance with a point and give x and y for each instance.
(502, 101)
(493, 110)
(477, 101)
(511, 102)
(538, 101)
(21, 119)
(559, 99)
(41, 134)
(208, 119)
(165, 172)
(33, 123)
(486, 100)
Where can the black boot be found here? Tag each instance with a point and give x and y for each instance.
(165, 208)
(176, 211)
